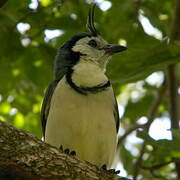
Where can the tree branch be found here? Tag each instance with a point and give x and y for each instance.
(157, 176)
(129, 131)
(157, 166)
(23, 156)
(175, 29)
(151, 116)
(2, 3)
(172, 79)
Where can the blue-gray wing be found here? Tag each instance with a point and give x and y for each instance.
(46, 104)
(116, 114)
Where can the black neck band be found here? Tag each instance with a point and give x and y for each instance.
(85, 90)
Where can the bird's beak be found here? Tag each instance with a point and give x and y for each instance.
(114, 48)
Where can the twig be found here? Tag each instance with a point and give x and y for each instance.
(151, 116)
(24, 17)
(157, 166)
(157, 176)
(155, 105)
(139, 161)
(129, 131)
(137, 4)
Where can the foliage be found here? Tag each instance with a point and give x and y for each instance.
(27, 64)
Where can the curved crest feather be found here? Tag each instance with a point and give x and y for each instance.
(90, 21)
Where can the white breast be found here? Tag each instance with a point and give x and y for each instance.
(88, 74)
(83, 123)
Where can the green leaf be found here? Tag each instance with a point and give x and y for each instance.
(127, 159)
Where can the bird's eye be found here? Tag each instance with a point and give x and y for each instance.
(92, 43)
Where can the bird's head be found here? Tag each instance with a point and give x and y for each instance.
(90, 47)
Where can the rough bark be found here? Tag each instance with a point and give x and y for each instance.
(22, 156)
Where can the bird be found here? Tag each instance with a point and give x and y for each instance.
(79, 110)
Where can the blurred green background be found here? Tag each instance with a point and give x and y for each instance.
(32, 31)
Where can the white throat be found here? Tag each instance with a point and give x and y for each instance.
(88, 74)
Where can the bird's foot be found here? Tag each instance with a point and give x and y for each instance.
(112, 171)
(67, 151)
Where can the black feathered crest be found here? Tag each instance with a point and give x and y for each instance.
(90, 21)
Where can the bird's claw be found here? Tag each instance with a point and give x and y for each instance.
(67, 151)
(73, 153)
(112, 171)
(61, 148)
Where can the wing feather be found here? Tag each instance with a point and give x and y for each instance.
(116, 114)
(46, 104)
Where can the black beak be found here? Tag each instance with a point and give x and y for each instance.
(114, 48)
